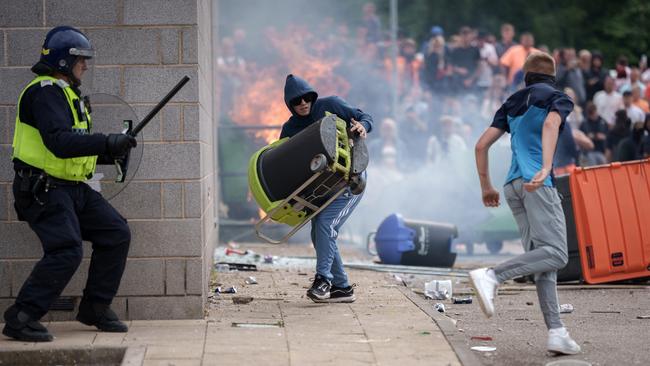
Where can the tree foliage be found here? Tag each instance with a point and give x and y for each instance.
(613, 27)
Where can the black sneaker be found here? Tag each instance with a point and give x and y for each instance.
(101, 316)
(19, 325)
(342, 294)
(320, 289)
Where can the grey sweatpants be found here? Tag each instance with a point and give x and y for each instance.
(541, 223)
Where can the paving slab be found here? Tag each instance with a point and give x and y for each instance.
(383, 327)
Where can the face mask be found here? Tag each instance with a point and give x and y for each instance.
(534, 77)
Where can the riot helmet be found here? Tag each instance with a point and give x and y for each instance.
(62, 47)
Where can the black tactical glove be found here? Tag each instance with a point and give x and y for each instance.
(118, 144)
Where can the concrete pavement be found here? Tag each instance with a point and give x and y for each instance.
(279, 327)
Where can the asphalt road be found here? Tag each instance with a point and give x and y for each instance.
(604, 321)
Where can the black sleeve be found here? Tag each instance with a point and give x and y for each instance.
(105, 159)
(604, 128)
(53, 119)
(500, 120)
(561, 104)
(348, 112)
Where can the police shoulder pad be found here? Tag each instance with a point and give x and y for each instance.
(46, 82)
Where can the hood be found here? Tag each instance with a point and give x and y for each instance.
(295, 87)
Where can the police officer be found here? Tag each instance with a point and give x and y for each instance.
(54, 152)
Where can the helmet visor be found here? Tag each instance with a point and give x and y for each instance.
(89, 53)
(85, 73)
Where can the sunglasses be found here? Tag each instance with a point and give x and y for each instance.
(308, 98)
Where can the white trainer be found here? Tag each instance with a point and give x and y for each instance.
(559, 341)
(485, 284)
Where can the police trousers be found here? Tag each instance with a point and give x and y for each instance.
(62, 217)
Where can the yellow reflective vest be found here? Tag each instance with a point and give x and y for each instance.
(28, 144)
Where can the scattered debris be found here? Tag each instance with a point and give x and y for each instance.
(566, 309)
(425, 333)
(268, 259)
(483, 349)
(461, 300)
(481, 338)
(434, 271)
(373, 340)
(251, 280)
(500, 329)
(522, 319)
(229, 290)
(235, 267)
(230, 251)
(507, 288)
(605, 312)
(570, 362)
(221, 267)
(461, 330)
(438, 289)
(279, 324)
(439, 307)
(529, 303)
(241, 300)
(399, 280)
(643, 317)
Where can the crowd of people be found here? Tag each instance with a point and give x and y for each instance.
(451, 87)
(448, 89)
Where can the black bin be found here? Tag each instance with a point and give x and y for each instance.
(415, 243)
(573, 269)
(286, 167)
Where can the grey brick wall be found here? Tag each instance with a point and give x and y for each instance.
(143, 48)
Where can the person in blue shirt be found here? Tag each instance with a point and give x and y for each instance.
(534, 117)
(331, 282)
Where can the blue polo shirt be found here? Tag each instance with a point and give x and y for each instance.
(523, 115)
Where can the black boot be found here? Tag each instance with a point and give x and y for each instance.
(19, 325)
(101, 316)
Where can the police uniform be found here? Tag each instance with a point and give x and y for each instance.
(54, 152)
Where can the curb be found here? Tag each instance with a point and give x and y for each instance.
(454, 337)
(134, 356)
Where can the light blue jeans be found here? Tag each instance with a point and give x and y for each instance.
(324, 231)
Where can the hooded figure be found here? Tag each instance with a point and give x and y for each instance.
(330, 282)
(309, 109)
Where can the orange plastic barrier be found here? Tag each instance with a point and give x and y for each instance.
(612, 213)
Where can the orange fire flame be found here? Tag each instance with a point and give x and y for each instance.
(263, 90)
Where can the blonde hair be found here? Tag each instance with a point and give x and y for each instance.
(541, 63)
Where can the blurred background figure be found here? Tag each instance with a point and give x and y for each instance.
(513, 59)
(617, 133)
(595, 127)
(608, 101)
(507, 39)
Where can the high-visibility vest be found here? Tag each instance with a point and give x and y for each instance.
(28, 144)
